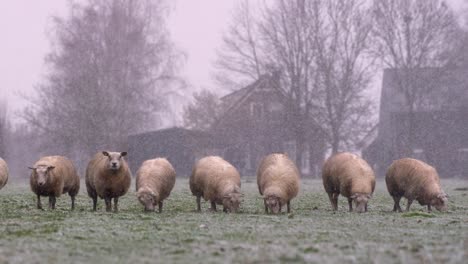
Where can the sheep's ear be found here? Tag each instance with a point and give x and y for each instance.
(442, 195)
(31, 168)
(105, 153)
(50, 168)
(123, 154)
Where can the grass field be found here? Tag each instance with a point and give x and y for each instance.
(312, 233)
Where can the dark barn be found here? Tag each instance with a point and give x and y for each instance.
(182, 147)
(440, 127)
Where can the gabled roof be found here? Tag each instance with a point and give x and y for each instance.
(235, 99)
(448, 83)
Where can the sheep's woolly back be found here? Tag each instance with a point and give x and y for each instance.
(278, 176)
(104, 182)
(156, 175)
(348, 174)
(213, 177)
(413, 179)
(3, 173)
(62, 179)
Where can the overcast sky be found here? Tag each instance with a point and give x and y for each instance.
(196, 27)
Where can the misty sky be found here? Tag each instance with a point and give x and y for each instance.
(196, 27)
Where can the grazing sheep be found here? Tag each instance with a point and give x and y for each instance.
(351, 176)
(415, 180)
(53, 175)
(278, 182)
(218, 182)
(3, 173)
(154, 182)
(108, 176)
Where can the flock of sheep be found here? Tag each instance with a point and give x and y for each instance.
(216, 180)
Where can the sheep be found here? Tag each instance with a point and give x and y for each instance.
(3, 173)
(108, 176)
(415, 180)
(278, 182)
(218, 182)
(349, 175)
(52, 176)
(154, 182)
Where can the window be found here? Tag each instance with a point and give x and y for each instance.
(256, 110)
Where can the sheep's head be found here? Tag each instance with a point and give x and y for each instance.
(440, 202)
(360, 201)
(114, 159)
(273, 203)
(231, 202)
(147, 198)
(42, 173)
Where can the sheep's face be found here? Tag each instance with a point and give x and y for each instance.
(231, 202)
(147, 199)
(114, 159)
(273, 203)
(360, 202)
(42, 173)
(440, 202)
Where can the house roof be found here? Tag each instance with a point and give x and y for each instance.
(235, 99)
(450, 84)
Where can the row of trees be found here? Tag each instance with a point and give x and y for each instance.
(327, 53)
(111, 67)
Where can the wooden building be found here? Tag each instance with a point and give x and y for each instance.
(440, 127)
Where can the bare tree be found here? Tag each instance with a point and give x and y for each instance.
(203, 111)
(287, 30)
(109, 71)
(318, 49)
(342, 34)
(411, 36)
(240, 61)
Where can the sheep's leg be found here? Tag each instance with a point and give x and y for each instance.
(429, 209)
(330, 196)
(335, 201)
(108, 204)
(116, 204)
(365, 208)
(39, 205)
(266, 206)
(224, 209)
(73, 202)
(52, 202)
(280, 209)
(94, 203)
(289, 206)
(350, 203)
(198, 203)
(213, 206)
(410, 201)
(396, 206)
(160, 207)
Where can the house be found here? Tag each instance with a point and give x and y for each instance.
(440, 127)
(255, 122)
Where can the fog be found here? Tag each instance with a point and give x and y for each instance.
(72, 86)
